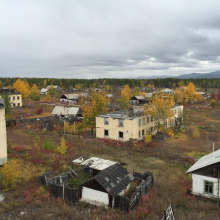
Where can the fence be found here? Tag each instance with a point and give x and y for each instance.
(125, 203)
(56, 187)
(169, 213)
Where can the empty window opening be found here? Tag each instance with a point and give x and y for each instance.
(120, 134)
(106, 121)
(139, 122)
(143, 121)
(18, 97)
(143, 132)
(106, 132)
(120, 123)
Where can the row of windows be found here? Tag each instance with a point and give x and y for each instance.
(121, 121)
(121, 135)
(13, 98)
(14, 104)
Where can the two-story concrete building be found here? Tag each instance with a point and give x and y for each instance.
(14, 95)
(130, 124)
(3, 139)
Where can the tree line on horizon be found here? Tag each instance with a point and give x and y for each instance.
(91, 83)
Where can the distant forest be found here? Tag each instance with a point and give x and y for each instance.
(86, 83)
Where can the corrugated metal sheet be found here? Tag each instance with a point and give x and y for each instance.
(95, 163)
(207, 160)
(59, 110)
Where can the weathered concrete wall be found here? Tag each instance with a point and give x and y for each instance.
(3, 139)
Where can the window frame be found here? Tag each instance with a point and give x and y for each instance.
(207, 192)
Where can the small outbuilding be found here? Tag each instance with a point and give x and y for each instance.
(138, 100)
(205, 176)
(66, 111)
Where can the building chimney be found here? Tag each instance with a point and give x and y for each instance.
(131, 112)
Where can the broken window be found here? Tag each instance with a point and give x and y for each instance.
(143, 121)
(120, 134)
(151, 129)
(143, 132)
(106, 121)
(139, 134)
(208, 187)
(13, 97)
(120, 123)
(106, 132)
(18, 104)
(18, 97)
(13, 104)
(139, 122)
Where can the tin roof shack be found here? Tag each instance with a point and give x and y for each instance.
(14, 95)
(3, 138)
(138, 100)
(100, 182)
(66, 111)
(104, 187)
(73, 98)
(167, 91)
(205, 176)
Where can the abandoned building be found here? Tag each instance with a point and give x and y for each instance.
(72, 98)
(167, 91)
(3, 138)
(43, 91)
(107, 184)
(138, 100)
(61, 111)
(130, 124)
(205, 176)
(14, 95)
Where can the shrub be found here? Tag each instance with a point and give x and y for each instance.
(148, 138)
(37, 141)
(48, 144)
(40, 111)
(9, 175)
(213, 103)
(196, 133)
(59, 131)
(36, 97)
(62, 148)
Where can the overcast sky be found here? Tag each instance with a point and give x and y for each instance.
(114, 38)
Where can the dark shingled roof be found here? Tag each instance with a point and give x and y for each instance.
(9, 91)
(114, 179)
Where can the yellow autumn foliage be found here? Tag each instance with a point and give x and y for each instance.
(160, 108)
(62, 148)
(148, 138)
(22, 87)
(9, 175)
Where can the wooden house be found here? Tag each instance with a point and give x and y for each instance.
(205, 176)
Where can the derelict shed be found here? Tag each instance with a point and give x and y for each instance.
(205, 176)
(107, 185)
(65, 111)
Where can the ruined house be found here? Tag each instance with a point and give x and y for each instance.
(130, 124)
(14, 95)
(205, 176)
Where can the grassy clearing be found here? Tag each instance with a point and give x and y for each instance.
(168, 170)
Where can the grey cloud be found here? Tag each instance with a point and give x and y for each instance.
(90, 39)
